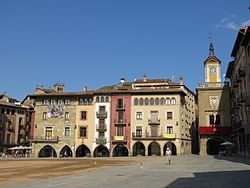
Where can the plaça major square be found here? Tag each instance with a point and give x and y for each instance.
(143, 117)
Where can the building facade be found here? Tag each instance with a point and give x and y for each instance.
(160, 119)
(238, 73)
(14, 124)
(213, 107)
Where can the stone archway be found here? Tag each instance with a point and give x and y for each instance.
(47, 151)
(138, 149)
(83, 151)
(171, 146)
(154, 149)
(66, 152)
(120, 151)
(101, 151)
(213, 146)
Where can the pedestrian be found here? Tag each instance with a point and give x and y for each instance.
(168, 155)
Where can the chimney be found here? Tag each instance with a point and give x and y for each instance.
(181, 81)
(122, 80)
(145, 78)
(85, 88)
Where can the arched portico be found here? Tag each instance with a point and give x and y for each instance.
(138, 149)
(66, 152)
(154, 149)
(83, 151)
(120, 151)
(101, 151)
(47, 151)
(171, 146)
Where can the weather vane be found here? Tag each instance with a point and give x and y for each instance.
(210, 36)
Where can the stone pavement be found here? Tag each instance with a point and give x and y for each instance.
(185, 171)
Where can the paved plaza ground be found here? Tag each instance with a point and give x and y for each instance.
(148, 172)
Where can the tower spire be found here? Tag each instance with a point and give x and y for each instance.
(211, 49)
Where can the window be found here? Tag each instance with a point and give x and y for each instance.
(60, 101)
(138, 131)
(13, 112)
(135, 101)
(138, 115)
(97, 99)
(45, 102)
(211, 119)
(152, 102)
(44, 115)
(81, 101)
(20, 121)
(167, 101)
(141, 102)
(162, 101)
(169, 115)
(90, 101)
(83, 132)
(85, 101)
(83, 115)
(146, 102)
(66, 115)
(169, 129)
(157, 101)
(173, 101)
(8, 140)
(48, 133)
(66, 131)
(107, 99)
(120, 103)
(67, 101)
(8, 111)
(119, 130)
(53, 101)
(3, 110)
(102, 99)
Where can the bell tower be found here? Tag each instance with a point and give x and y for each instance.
(212, 66)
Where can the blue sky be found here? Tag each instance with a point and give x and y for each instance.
(95, 43)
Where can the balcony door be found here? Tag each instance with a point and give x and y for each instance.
(48, 133)
(154, 130)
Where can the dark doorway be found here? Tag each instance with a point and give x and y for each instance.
(213, 146)
(120, 151)
(101, 151)
(154, 149)
(138, 149)
(66, 152)
(47, 151)
(171, 146)
(83, 151)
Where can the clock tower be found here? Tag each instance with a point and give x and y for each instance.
(212, 66)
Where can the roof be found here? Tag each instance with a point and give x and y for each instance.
(229, 69)
(212, 58)
(242, 38)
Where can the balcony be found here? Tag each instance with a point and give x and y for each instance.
(101, 114)
(119, 139)
(153, 121)
(120, 121)
(101, 127)
(169, 135)
(212, 84)
(101, 140)
(120, 107)
(43, 139)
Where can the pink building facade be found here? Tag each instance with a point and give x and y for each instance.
(120, 124)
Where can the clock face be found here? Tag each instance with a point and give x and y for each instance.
(212, 70)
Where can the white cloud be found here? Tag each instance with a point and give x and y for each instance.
(230, 22)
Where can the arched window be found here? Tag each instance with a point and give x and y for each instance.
(102, 99)
(146, 101)
(141, 101)
(85, 101)
(157, 101)
(152, 102)
(90, 100)
(81, 101)
(107, 99)
(135, 101)
(167, 101)
(162, 101)
(97, 99)
(173, 101)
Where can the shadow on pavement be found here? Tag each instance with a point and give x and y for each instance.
(220, 179)
(234, 159)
